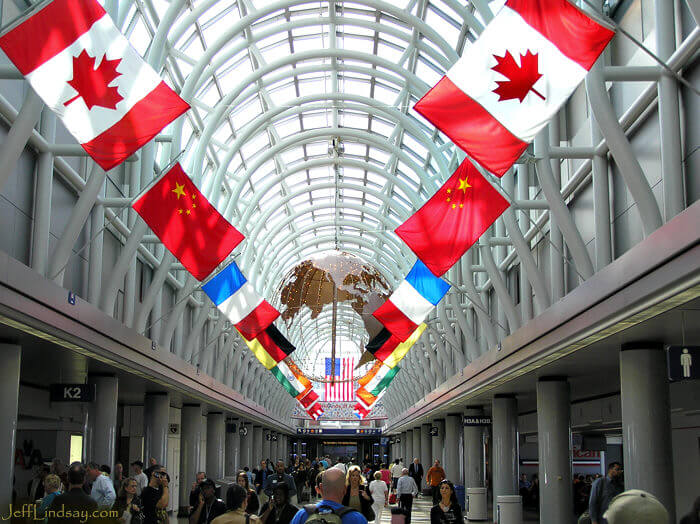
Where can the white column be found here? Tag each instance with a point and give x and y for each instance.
(426, 450)
(265, 443)
(453, 429)
(505, 446)
(646, 421)
(247, 445)
(10, 357)
(554, 443)
(216, 445)
(438, 441)
(233, 448)
(103, 420)
(257, 448)
(156, 418)
(190, 448)
(473, 451)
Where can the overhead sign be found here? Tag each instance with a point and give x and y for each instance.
(243, 431)
(333, 431)
(683, 362)
(476, 421)
(268, 436)
(434, 431)
(72, 392)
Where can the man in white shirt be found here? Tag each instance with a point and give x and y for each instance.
(406, 489)
(140, 476)
(396, 470)
(102, 488)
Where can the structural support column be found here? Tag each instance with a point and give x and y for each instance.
(416, 445)
(438, 441)
(554, 443)
(646, 421)
(257, 448)
(426, 449)
(247, 445)
(10, 357)
(408, 448)
(233, 448)
(156, 417)
(453, 428)
(216, 442)
(190, 451)
(474, 451)
(505, 446)
(103, 420)
(265, 443)
(274, 454)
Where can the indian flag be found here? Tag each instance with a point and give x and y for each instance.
(296, 384)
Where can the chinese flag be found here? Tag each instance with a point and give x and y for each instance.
(448, 224)
(187, 224)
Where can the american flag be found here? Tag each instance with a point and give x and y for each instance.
(344, 388)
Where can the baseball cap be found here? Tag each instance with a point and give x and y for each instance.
(636, 507)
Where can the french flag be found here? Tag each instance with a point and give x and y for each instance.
(411, 302)
(513, 79)
(236, 298)
(87, 73)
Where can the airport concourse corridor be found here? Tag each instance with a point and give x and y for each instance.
(446, 247)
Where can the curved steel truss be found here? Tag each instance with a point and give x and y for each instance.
(302, 133)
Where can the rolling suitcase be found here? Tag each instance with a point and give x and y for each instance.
(398, 516)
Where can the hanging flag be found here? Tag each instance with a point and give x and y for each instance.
(514, 78)
(366, 397)
(363, 380)
(449, 223)
(270, 346)
(239, 302)
(411, 302)
(388, 349)
(360, 411)
(296, 384)
(87, 73)
(339, 383)
(381, 380)
(309, 399)
(315, 411)
(187, 224)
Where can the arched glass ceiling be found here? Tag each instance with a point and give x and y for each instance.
(302, 126)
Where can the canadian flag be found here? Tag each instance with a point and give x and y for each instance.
(86, 71)
(514, 78)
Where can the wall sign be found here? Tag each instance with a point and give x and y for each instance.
(476, 421)
(434, 431)
(683, 362)
(72, 392)
(243, 431)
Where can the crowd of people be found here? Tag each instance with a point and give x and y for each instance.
(307, 490)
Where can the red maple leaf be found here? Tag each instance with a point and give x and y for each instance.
(93, 83)
(521, 78)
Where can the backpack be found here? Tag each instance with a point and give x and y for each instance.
(330, 516)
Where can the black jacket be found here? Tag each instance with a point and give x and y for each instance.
(366, 505)
(77, 503)
(451, 516)
(416, 472)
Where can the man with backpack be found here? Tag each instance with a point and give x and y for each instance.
(330, 510)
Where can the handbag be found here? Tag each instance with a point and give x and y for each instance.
(392, 498)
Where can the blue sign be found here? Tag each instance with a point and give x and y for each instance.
(333, 431)
(683, 362)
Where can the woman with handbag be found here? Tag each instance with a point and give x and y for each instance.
(128, 504)
(356, 494)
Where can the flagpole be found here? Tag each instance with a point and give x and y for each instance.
(618, 28)
(24, 15)
(160, 175)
